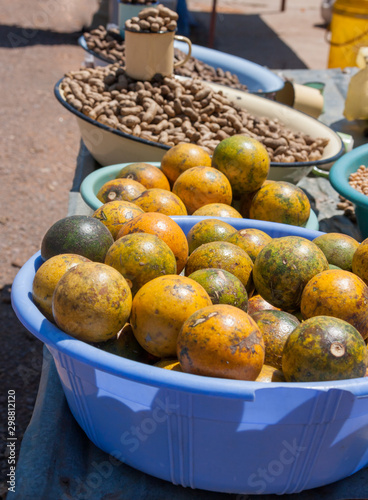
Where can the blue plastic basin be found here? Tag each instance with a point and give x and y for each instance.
(208, 433)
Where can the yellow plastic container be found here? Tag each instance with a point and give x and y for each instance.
(349, 32)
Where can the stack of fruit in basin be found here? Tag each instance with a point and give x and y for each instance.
(210, 296)
(231, 183)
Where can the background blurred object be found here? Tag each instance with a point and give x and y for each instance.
(326, 10)
(349, 32)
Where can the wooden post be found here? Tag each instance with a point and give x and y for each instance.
(211, 37)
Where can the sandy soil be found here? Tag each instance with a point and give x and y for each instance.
(38, 148)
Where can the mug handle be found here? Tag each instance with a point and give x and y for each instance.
(181, 38)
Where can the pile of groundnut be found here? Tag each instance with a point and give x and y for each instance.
(169, 111)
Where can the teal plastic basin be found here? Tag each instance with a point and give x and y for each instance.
(94, 181)
(339, 178)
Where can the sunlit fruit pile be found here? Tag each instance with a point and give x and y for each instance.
(231, 183)
(217, 301)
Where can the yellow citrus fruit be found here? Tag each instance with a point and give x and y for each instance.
(145, 173)
(120, 189)
(275, 327)
(222, 287)
(162, 201)
(48, 276)
(222, 255)
(337, 293)
(280, 202)
(339, 249)
(283, 267)
(251, 240)
(360, 261)
(218, 210)
(159, 310)
(115, 213)
(92, 302)
(221, 341)
(244, 161)
(141, 257)
(200, 186)
(208, 230)
(165, 228)
(324, 348)
(182, 157)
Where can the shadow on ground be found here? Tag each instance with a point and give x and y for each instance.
(12, 37)
(238, 34)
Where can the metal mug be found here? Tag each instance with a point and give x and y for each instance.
(148, 54)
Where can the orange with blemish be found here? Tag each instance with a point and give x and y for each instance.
(221, 341)
(339, 249)
(244, 161)
(208, 230)
(218, 210)
(183, 157)
(160, 308)
(199, 186)
(251, 240)
(91, 302)
(145, 173)
(283, 267)
(165, 228)
(337, 293)
(141, 257)
(280, 202)
(275, 327)
(120, 189)
(48, 276)
(115, 213)
(324, 348)
(162, 201)
(222, 255)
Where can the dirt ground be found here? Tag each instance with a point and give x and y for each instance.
(38, 149)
